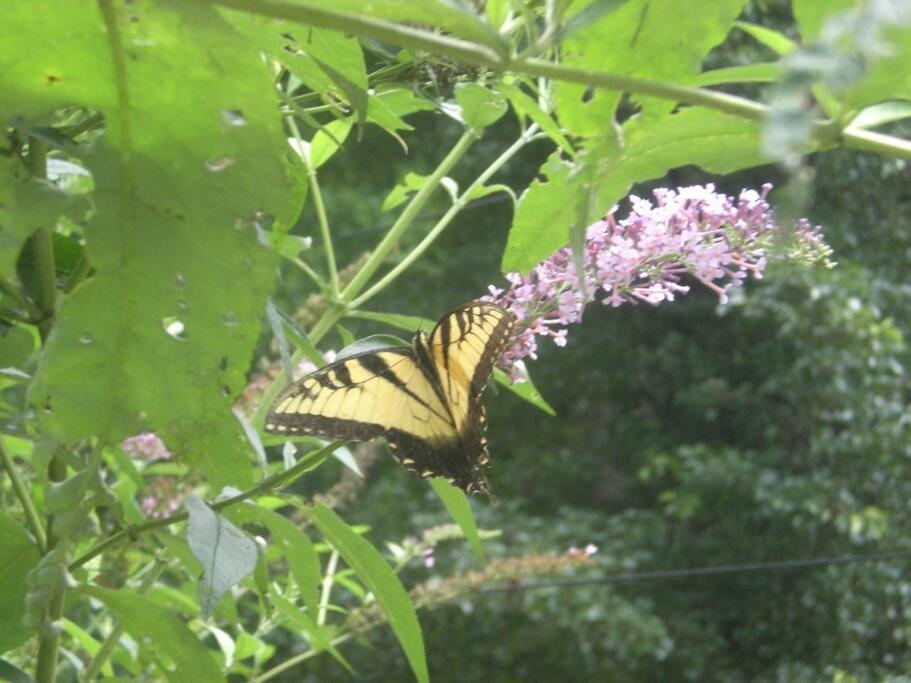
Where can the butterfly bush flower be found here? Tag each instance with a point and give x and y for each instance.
(146, 446)
(714, 239)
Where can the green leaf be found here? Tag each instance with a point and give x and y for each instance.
(13, 674)
(525, 390)
(87, 643)
(378, 576)
(540, 225)
(653, 145)
(776, 41)
(480, 107)
(457, 505)
(750, 73)
(18, 556)
(26, 203)
(293, 543)
(411, 323)
(180, 656)
(319, 637)
(226, 553)
(327, 141)
(527, 106)
(16, 345)
(167, 247)
(634, 39)
(881, 114)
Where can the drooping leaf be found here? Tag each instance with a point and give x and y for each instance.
(456, 503)
(180, 656)
(379, 578)
(18, 556)
(166, 326)
(225, 552)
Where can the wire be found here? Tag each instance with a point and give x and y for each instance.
(782, 565)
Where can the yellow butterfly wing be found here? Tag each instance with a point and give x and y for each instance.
(425, 400)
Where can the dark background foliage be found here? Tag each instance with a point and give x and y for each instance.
(693, 434)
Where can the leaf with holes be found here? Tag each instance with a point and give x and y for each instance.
(166, 326)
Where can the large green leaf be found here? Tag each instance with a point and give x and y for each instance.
(180, 654)
(193, 149)
(379, 578)
(18, 556)
(662, 40)
(716, 142)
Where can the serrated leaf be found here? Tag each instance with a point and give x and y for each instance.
(18, 557)
(544, 212)
(167, 247)
(163, 633)
(225, 552)
(379, 578)
(527, 106)
(456, 503)
(640, 33)
(716, 142)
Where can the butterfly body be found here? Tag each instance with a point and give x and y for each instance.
(425, 400)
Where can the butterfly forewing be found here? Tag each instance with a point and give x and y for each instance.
(361, 397)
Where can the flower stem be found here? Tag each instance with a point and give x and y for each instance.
(457, 206)
(405, 219)
(319, 206)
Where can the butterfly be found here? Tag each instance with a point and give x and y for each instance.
(424, 400)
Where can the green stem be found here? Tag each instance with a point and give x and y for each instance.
(31, 514)
(270, 483)
(480, 55)
(304, 656)
(107, 647)
(391, 238)
(46, 670)
(320, 208)
(13, 292)
(328, 580)
(78, 274)
(42, 246)
(444, 221)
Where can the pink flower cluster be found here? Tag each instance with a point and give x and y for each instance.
(691, 231)
(147, 446)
